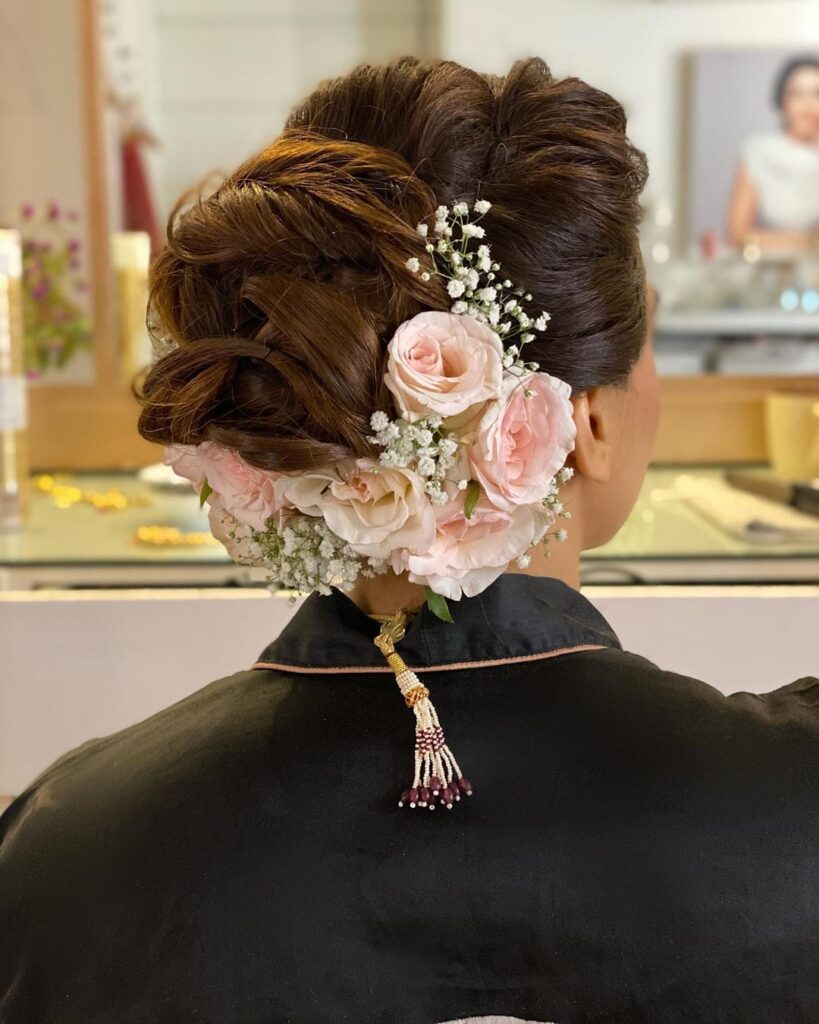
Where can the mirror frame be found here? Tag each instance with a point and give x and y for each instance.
(91, 426)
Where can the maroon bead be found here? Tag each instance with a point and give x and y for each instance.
(413, 797)
(405, 798)
(448, 796)
(465, 785)
(435, 785)
(424, 795)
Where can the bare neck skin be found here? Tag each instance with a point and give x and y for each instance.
(385, 594)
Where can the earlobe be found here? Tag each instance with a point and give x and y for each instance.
(592, 451)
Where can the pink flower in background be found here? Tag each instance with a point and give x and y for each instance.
(469, 554)
(443, 363)
(237, 537)
(523, 441)
(188, 461)
(248, 493)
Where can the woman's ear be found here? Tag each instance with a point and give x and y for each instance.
(593, 418)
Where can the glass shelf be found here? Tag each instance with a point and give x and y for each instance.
(664, 540)
(737, 322)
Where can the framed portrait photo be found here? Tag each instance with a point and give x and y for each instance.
(754, 149)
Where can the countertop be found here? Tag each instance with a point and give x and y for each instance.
(100, 529)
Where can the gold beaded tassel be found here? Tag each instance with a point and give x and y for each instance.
(438, 778)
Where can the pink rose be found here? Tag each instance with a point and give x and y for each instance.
(247, 493)
(237, 537)
(469, 554)
(188, 461)
(375, 509)
(522, 442)
(443, 363)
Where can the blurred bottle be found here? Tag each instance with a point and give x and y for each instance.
(709, 245)
(131, 252)
(792, 434)
(13, 404)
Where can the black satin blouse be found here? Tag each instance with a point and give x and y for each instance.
(638, 848)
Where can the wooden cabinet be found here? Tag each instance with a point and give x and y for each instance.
(712, 419)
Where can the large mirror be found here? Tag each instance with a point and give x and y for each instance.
(128, 104)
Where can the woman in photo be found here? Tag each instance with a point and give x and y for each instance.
(775, 200)
(406, 359)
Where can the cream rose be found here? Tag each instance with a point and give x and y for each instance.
(375, 509)
(443, 363)
(469, 554)
(523, 441)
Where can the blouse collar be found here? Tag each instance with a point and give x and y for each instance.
(517, 618)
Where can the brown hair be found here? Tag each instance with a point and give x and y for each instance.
(280, 291)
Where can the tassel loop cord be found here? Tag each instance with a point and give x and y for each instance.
(438, 778)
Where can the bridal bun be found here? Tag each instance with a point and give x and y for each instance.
(273, 297)
(277, 293)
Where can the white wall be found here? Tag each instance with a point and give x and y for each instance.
(630, 48)
(220, 78)
(41, 115)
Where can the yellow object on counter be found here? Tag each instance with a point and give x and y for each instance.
(792, 434)
(66, 494)
(170, 536)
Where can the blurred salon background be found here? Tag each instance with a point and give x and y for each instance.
(110, 109)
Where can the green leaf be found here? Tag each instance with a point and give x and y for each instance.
(206, 491)
(473, 492)
(438, 606)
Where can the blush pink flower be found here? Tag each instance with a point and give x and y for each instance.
(469, 554)
(443, 363)
(188, 461)
(375, 509)
(247, 493)
(237, 537)
(523, 441)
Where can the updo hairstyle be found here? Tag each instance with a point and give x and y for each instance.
(277, 293)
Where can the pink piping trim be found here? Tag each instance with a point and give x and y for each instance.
(449, 667)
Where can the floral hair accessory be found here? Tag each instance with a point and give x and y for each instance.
(462, 482)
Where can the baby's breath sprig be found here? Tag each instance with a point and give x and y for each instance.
(421, 446)
(555, 506)
(474, 280)
(304, 554)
